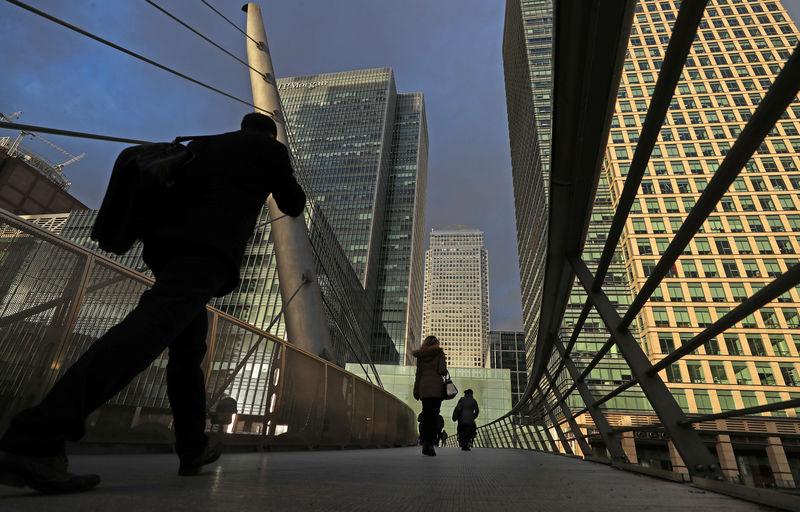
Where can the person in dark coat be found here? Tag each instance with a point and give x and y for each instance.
(195, 253)
(428, 387)
(465, 413)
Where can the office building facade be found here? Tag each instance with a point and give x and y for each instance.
(527, 62)
(455, 306)
(507, 350)
(749, 239)
(360, 152)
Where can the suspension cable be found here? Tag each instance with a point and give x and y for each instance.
(234, 25)
(68, 133)
(128, 52)
(199, 34)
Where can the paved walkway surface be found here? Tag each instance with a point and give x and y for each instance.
(369, 480)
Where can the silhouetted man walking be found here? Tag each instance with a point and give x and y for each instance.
(465, 413)
(195, 253)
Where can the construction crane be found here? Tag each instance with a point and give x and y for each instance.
(22, 134)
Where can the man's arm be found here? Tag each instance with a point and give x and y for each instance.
(287, 192)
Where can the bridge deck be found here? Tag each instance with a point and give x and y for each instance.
(370, 480)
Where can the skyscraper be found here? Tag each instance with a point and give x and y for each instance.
(456, 299)
(527, 62)
(507, 350)
(749, 239)
(361, 154)
(752, 235)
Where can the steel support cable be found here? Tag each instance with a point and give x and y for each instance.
(364, 350)
(129, 52)
(199, 34)
(772, 106)
(68, 133)
(680, 43)
(234, 25)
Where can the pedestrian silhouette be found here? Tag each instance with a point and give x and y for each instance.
(195, 252)
(465, 413)
(429, 387)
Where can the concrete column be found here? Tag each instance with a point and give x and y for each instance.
(675, 458)
(629, 447)
(778, 463)
(727, 458)
(306, 324)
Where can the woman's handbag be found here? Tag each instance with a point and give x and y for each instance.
(450, 389)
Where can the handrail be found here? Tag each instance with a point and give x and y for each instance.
(286, 396)
(546, 417)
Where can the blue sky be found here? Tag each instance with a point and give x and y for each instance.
(448, 49)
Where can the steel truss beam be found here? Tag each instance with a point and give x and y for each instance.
(696, 456)
(612, 443)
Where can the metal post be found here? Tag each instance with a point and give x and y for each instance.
(560, 433)
(697, 457)
(542, 442)
(553, 446)
(509, 430)
(612, 443)
(523, 435)
(585, 448)
(306, 324)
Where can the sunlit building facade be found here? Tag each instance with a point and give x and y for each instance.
(750, 238)
(455, 306)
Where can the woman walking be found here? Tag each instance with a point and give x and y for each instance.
(428, 387)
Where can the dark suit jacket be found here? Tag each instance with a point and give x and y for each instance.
(217, 197)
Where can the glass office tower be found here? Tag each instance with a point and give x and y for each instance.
(398, 311)
(507, 350)
(527, 59)
(360, 152)
(527, 62)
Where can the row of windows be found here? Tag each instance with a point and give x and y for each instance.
(737, 203)
(695, 186)
(701, 317)
(755, 224)
(733, 344)
(733, 372)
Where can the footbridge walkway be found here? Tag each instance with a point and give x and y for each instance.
(373, 479)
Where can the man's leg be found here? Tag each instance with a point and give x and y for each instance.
(182, 289)
(186, 386)
(187, 396)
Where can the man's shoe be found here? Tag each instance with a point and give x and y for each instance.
(428, 450)
(191, 465)
(46, 474)
(465, 448)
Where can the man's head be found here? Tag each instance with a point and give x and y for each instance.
(259, 123)
(468, 392)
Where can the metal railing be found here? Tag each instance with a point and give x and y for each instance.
(57, 297)
(547, 418)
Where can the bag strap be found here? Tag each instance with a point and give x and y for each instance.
(184, 139)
